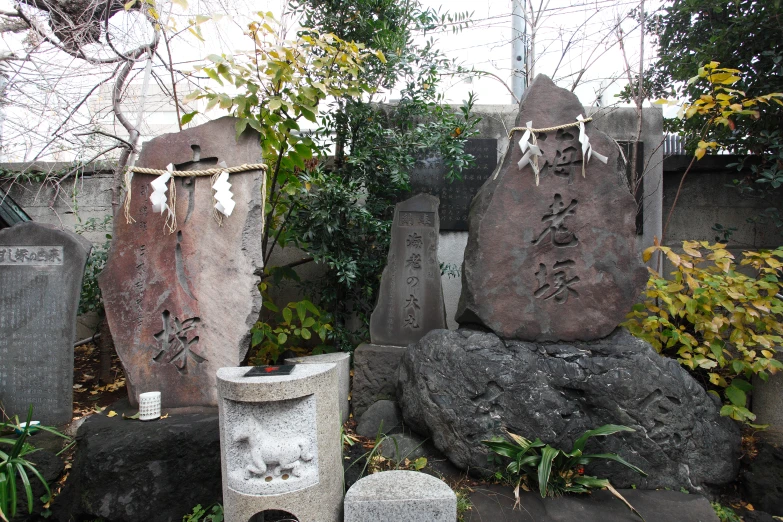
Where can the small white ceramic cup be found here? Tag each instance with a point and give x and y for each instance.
(149, 406)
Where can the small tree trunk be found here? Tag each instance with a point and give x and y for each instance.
(106, 350)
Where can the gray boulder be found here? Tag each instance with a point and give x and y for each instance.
(402, 446)
(382, 416)
(462, 387)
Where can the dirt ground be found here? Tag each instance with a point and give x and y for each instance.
(90, 395)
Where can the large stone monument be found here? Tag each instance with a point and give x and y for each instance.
(41, 271)
(551, 269)
(554, 259)
(410, 301)
(180, 305)
(280, 443)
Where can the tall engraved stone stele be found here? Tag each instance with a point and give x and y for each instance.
(41, 271)
(410, 301)
(555, 261)
(181, 305)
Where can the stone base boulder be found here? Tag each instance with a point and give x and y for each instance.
(462, 387)
(133, 471)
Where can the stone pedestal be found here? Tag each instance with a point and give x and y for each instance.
(280, 443)
(134, 471)
(343, 362)
(374, 375)
(459, 388)
(393, 496)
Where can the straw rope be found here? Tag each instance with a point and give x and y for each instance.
(171, 220)
(207, 172)
(547, 129)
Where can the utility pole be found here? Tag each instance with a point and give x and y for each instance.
(518, 54)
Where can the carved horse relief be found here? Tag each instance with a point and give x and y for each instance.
(269, 452)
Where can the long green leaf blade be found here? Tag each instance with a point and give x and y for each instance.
(592, 482)
(586, 459)
(38, 475)
(506, 449)
(606, 429)
(548, 454)
(3, 493)
(27, 489)
(11, 489)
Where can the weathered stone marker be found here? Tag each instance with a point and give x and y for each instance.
(556, 261)
(181, 305)
(280, 443)
(410, 301)
(41, 271)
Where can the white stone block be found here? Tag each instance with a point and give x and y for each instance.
(280, 443)
(343, 362)
(395, 496)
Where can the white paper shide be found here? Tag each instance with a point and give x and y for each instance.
(223, 195)
(158, 197)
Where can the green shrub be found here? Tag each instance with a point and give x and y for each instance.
(15, 467)
(719, 323)
(213, 513)
(725, 514)
(294, 327)
(553, 471)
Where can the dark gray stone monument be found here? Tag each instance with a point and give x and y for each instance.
(429, 177)
(410, 301)
(41, 271)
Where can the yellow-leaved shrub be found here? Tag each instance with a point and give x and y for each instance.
(718, 322)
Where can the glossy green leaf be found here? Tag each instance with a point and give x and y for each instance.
(548, 454)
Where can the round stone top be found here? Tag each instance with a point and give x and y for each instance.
(398, 485)
(300, 371)
(323, 358)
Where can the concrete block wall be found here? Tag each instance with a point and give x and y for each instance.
(707, 198)
(79, 198)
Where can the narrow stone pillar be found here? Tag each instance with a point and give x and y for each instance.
(280, 443)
